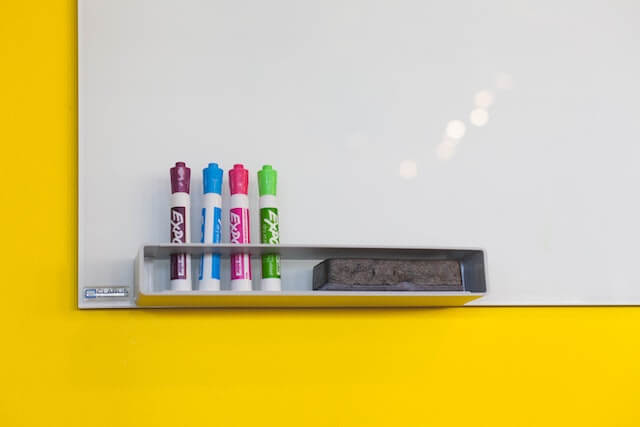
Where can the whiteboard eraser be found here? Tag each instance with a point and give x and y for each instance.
(350, 274)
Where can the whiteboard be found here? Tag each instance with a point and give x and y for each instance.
(511, 126)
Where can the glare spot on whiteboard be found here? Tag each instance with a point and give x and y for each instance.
(408, 169)
(479, 117)
(504, 81)
(446, 149)
(455, 129)
(484, 99)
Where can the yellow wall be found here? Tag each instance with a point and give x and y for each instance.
(60, 366)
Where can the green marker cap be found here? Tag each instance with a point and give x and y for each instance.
(267, 180)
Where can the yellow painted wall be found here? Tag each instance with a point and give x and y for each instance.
(60, 366)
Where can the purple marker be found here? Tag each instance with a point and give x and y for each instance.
(239, 227)
(180, 225)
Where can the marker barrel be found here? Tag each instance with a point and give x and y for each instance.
(180, 227)
(209, 273)
(239, 227)
(269, 228)
(209, 278)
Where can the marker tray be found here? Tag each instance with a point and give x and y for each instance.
(151, 284)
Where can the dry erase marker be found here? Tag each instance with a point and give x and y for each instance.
(269, 227)
(209, 276)
(239, 227)
(180, 226)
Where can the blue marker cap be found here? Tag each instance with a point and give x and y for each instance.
(212, 178)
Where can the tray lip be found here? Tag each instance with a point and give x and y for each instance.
(263, 299)
(309, 293)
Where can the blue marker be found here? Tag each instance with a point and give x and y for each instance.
(209, 278)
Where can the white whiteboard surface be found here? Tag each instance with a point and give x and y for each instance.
(350, 102)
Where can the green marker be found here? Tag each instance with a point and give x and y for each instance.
(269, 227)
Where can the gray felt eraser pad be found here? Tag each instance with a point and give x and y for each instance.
(351, 274)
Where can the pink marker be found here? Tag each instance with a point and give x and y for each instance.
(239, 227)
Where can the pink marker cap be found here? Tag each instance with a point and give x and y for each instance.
(239, 180)
(180, 178)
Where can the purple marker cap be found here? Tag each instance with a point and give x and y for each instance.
(180, 178)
